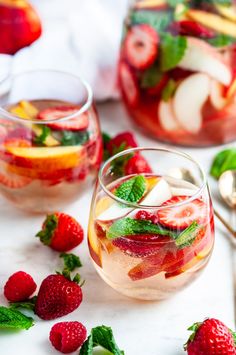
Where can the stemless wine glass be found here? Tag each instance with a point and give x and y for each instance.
(150, 234)
(50, 139)
(177, 70)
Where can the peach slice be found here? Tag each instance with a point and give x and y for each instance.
(202, 57)
(189, 99)
(47, 159)
(94, 246)
(227, 11)
(167, 117)
(213, 21)
(146, 4)
(232, 90)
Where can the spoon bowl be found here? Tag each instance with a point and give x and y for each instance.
(227, 187)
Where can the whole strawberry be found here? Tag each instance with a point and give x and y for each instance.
(61, 232)
(57, 297)
(120, 142)
(211, 337)
(137, 165)
(19, 287)
(67, 337)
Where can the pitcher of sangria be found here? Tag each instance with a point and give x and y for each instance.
(177, 70)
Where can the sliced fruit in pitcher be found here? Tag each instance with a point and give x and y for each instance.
(167, 117)
(129, 84)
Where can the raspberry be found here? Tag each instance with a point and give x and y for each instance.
(144, 215)
(67, 337)
(19, 287)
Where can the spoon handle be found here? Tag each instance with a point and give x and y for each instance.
(225, 223)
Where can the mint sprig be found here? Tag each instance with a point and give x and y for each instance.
(41, 139)
(29, 304)
(13, 319)
(223, 161)
(129, 226)
(132, 190)
(101, 336)
(172, 50)
(169, 90)
(74, 138)
(187, 237)
(151, 77)
(221, 40)
(158, 20)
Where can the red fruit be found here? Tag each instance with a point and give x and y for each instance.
(61, 232)
(210, 337)
(19, 287)
(3, 133)
(17, 142)
(13, 181)
(57, 297)
(67, 337)
(140, 245)
(122, 141)
(129, 85)
(19, 25)
(21, 133)
(78, 123)
(137, 165)
(191, 28)
(145, 215)
(157, 89)
(141, 46)
(182, 216)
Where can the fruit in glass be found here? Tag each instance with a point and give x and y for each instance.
(177, 70)
(150, 234)
(50, 140)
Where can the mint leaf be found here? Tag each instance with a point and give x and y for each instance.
(169, 90)
(223, 161)
(151, 77)
(29, 304)
(172, 50)
(174, 3)
(221, 40)
(71, 261)
(187, 237)
(158, 20)
(40, 140)
(132, 190)
(233, 335)
(129, 226)
(49, 227)
(101, 336)
(13, 319)
(74, 138)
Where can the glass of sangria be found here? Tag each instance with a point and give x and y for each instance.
(177, 70)
(150, 234)
(50, 139)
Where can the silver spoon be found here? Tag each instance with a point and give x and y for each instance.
(185, 174)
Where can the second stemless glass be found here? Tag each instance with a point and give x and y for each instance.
(153, 247)
(50, 139)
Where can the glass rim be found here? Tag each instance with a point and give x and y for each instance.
(159, 149)
(82, 109)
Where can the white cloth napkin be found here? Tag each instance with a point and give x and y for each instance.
(81, 37)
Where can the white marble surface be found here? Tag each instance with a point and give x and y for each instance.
(140, 327)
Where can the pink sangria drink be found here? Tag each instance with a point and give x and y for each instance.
(177, 70)
(150, 234)
(50, 140)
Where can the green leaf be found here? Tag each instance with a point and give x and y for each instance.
(117, 165)
(224, 160)
(13, 319)
(174, 3)
(46, 233)
(194, 328)
(71, 261)
(29, 304)
(158, 20)
(233, 335)
(129, 226)
(74, 138)
(103, 336)
(40, 140)
(172, 50)
(151, 77)
(187, 237)
(222, 2)
(87, 347)
(169, 90)
(132, 190)
(105, 138)
(221, 40)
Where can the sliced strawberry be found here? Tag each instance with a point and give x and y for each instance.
(182, 216)
(141, 245)
(141, 46)
(21, 133)
(3, 133)
(137, 165)
(13, 181)
(129, 85)
(54, 113)
(191, 28)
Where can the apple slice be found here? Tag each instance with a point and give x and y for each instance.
(232, 90)
(213, 21)
(189, 99)
(167, 117)
(227, 11)
(200, 56)
(217, 95)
